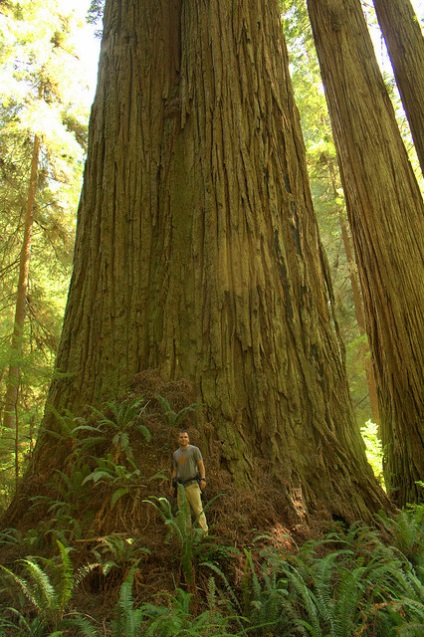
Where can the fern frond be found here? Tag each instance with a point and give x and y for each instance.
(66, 577)
(38, 587)
(349, 602)
(300, 593)
(85, 627)
(129, 618)
(228, 588)
(175, 418)
(181, 415)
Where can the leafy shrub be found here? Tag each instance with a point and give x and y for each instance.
(177, 620)
(175, 418)
(47, 590)
(407, 532)
(114, 422)
(373, 449)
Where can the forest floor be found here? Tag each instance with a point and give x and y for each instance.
(123, 518)
(101, 541)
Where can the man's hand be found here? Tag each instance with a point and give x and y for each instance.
(173, 486)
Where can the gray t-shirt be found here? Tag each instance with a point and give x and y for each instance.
(185, 461)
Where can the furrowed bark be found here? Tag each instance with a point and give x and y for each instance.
(198, 254)
(386, 214)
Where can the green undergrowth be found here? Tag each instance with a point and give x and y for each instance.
(78, 573)
(374, 449)
(349, 583)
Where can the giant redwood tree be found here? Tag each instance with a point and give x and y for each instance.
(197, 251)
(386, 214)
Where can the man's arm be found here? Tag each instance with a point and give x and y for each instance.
(202, 473)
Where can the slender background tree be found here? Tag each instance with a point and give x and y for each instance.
(386, 214)
(405, 44)
(42, 136)
(330, 207)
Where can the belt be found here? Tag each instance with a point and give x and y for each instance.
(189, 481)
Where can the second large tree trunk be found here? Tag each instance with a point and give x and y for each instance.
(198, 254)
(386, 214)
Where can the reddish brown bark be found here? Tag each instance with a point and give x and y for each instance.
(386, 214)
(198, 254)
(405, 44)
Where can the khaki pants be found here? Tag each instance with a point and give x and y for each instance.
(193, 495)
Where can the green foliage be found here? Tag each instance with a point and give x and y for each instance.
(113, 426)
(188, 537)
(22, 626)
(129, 619)
(175, 419)
(118, 550)
(374, 449)
(349, 583)
(9, 536)
(264, 596)
(114, 422)
(119, 478)
(95, 11)
(42, 95)
(66, 507)
(350, 589)
(107, 471)
(122, 415)
(174, 619)
(47, 589)
(177, 620)
(407, 533)
(212, 553)
(67, 425)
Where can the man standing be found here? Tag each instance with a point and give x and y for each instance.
(189, 470)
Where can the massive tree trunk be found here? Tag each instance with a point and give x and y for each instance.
(386, 214)
(197, 250)
(405, 44)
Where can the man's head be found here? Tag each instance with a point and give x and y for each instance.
(183, 439)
